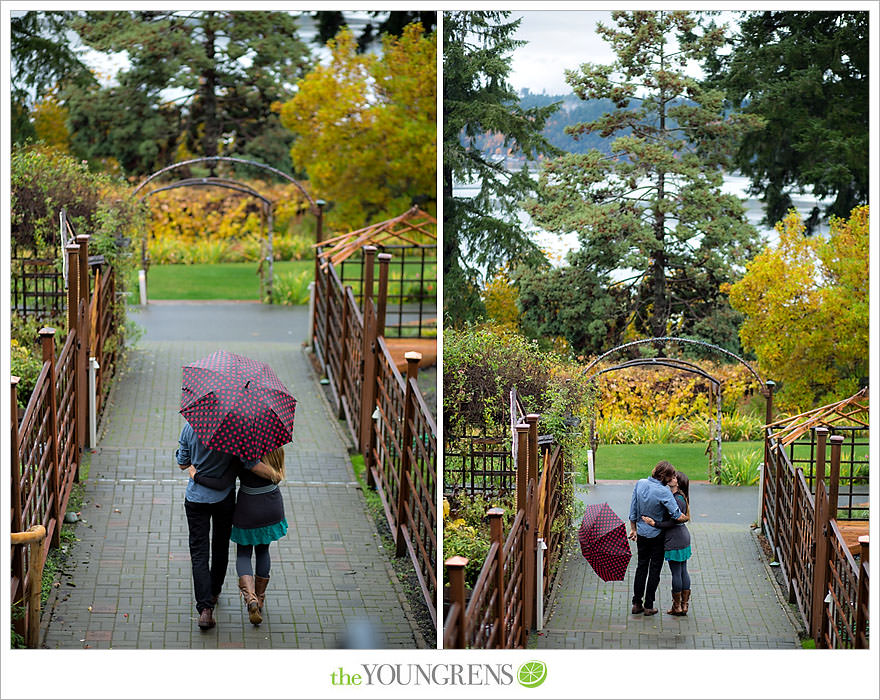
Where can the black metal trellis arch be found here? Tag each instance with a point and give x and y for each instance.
(684, 366)
(315, 208)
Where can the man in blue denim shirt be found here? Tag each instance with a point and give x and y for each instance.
(653, 498)
(209, 552)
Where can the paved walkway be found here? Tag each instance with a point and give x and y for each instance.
(734, 604)
(128, 583)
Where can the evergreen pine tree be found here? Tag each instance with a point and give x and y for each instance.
(654, 207)
(483, 233)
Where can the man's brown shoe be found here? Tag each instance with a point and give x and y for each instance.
(650, 611)
(637, 609)
(206, 619)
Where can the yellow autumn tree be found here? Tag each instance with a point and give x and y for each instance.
(499, 298)
(366, 129)
(50, 123)
(805, 302)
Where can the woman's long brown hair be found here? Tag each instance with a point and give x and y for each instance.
(275, 459)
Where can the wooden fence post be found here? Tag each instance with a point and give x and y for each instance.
(343, 339)
(384, 259)
(47, 340)
(319, 224)
(862, 596)
(318, 299)
(768, 419)
(79, 419)
(455, 567)
(82, 365)
(531, 538)
(403, 478)
(522, 464)
(792, 540)
(497, 534)
(834, 476)
(532, 419)
(15, 496)
(820, 539)
(368, 373)
(36, 538)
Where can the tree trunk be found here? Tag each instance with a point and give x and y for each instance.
(208, 89)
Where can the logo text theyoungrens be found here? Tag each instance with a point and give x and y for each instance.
(425, 674)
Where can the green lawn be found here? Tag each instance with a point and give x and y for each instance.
(637, 461)
(237, 281)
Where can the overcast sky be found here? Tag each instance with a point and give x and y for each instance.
(560, 40)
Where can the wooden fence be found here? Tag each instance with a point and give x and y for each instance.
(47, 440)
(815, 549)
(505, 604)
(385, 413)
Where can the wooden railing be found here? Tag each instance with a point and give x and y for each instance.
(505, 602)
(828, 586)
(386, 414)
(46, 443)
(36, 538)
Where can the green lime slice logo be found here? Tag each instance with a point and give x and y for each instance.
(531, 674)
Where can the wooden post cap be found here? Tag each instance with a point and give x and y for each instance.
(47, 331)
(384, 257)
(495, 512)
(15, 380)
(864, 539)
(457, 562)
(412, 355)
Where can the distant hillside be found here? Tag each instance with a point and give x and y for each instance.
(573, 111)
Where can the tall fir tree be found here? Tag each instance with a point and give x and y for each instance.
(481, 234)
(42, 60)
(806, 75)
(230, 68)
(654, 208)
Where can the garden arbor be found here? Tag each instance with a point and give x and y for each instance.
(411, 240)
(267, 208)
(681, 365)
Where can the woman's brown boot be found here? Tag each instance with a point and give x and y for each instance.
(676, 605)
(246, 586)
(260, 589)
(685, 599)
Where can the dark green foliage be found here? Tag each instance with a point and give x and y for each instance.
(480, 367)
(652, 210)
(226, 103)
(41, 60)
(43, 182)
(482, 234)
(331, 22)
(806, 74)
(573, 302)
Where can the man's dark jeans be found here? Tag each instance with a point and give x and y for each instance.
(205, 546)
(650, 563)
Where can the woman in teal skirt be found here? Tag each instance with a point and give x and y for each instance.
(258, 521)
(677, 546)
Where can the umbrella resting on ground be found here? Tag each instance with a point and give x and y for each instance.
(602, 536)
(237, 405)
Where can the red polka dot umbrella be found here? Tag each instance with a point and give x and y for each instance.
(237, 405)
(603, 542)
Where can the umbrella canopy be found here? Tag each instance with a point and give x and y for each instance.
(237, 405)
(603, 542)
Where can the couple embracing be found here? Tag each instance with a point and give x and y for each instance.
(238, 416)
(253, 521)
(659, 509)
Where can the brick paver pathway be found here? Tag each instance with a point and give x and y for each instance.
(734, 605)
(128, 583)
